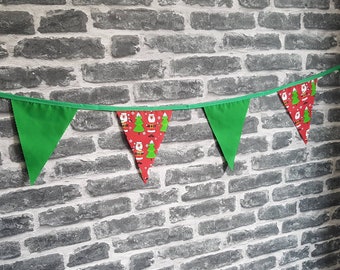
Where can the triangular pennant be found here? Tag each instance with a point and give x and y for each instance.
(299, 100)
(226, 121)
(40, 128)
(144, 131)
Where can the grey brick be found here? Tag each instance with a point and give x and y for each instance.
(253, 144)
(250, 125)
(112, 141)
(132, 223)
(324, 134)
(70, 215)
(168, 90)
(105, 95)
(34, 2)
(279, 159)
(61, 21)
(226, 224)
(16, 22)
(7, 128)
(266, 230)
(271, 246)
(138, 19)
(320, 202)
(35, 198)
(13, 225)
(178, 156)
(73, 146)
(209, 3)
(263, 104)
(308, 170)
(124, 45)
(279, 21)
(322, 263)
(321, 4)
(204, 65)
(141, 261)
(191, 249)
(203, 191)
(332, 79)
(333, 183)
(309, 42)
(47, 262)
(55, 48)
(119, 184)
(255, 181)
(54, 76)
(274, 62)
(320, 234)
(254, 4)
(188, 133)
(336, 4)
(112, 2)
(181, 115)
(101, 164)
(89, 253)
(263, 264)
(322, 61)
(182, 44)
(326, 247)
(5, 106)
(325, 151)
(206, 208)
(277, 211)
(220, 21)
(13, 178)
(215, 261)
(3, 51)
(91, 121)
(294, 255)
(282, 139)
(9, 250)
(254, 199)
(330, 96)
(57, 239)
(277, 120)
(193, 174)
(122, 71)
(106, 266)
(304, 222)
(326, 21)
(259, 41)
(167, 2)
(153, 238)
(333, 115)
(318, 118)
(292, 191)
(246, 85)
(152, 199)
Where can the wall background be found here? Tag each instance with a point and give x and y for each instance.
(90, 210)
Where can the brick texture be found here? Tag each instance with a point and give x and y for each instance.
(89, 209)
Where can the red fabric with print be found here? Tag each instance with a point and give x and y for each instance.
(299, 101)
(144, 131)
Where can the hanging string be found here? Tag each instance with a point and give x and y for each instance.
(95, 107)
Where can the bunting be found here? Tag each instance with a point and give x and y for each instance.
(41, 123)
(226, 122)
(40, 128)
(144, 131)
(298, 101)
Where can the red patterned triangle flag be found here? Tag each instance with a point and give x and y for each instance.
(299, 100)
(144, 131)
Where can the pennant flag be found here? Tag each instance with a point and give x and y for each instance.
(299, 100)
(40, 128)
(144, 131)
(226, 121)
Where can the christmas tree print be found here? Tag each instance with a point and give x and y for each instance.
(165, 122)
(306, 117)
(313, 89)
(138, 124)
(151, 150)
(295, 97)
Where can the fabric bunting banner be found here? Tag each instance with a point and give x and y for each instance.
(41, 123)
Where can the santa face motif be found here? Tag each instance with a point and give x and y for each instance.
(139, 151)
(151, 123)
(123, 119)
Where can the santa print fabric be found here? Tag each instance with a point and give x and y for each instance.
(299, 101)
(144, 131)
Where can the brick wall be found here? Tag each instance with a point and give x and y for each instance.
(279, 208)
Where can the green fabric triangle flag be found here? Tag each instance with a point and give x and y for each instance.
(40, 128)
(226, 121)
